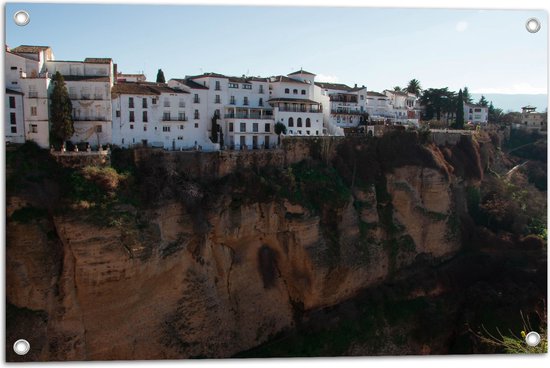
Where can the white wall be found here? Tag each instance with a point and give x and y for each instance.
(14, 128)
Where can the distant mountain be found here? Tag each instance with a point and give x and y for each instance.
(514, 102)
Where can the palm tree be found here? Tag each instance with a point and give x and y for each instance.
(414, 87)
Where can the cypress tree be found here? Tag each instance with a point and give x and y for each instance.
(459, 123)
(214, 130)
(61, 120)
(160, 77)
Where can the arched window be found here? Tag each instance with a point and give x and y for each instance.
(287, 90)
(295, 91)
(303, 91)
(299, 123)
(290, 122)
(308, 123)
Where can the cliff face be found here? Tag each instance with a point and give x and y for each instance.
(210, 280)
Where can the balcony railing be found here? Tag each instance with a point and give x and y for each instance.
(248, 116)
(347, 112)
(300, 109)
(196, 100)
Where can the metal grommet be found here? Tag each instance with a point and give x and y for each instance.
(21, 347)
(532, 25)
(532, 338)
(21, 18)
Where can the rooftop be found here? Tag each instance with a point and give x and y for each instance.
(98, 60)
(13, 92)
(85, 78)
(282, 78)
(190, 83)
(376, 94)
(301, 71)
(142, 88)
(338, 86)
(29, 49)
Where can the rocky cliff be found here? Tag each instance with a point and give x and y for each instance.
(209, 269)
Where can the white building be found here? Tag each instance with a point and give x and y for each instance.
(292, 100)
(379, 107)
(476, 114)
(89, 85)
(240, 107)
(348, 105)
(24, 72)
(404, 106)
(14, 124)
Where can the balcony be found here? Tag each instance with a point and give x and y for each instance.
(340, 98)
(90, 118)
(300, 109)
(248, 116)
(347, 112)
(196, 100)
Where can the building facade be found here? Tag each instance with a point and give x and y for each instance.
(347, 105)
(533, 120)
(476, 114)
(14, 127)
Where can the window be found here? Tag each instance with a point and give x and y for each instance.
(267, 128)
(166, 102)
(308, 123)
(303, 91)
(290, 122)
(12, 102)
(477, 110)
(181, 116)
(13, 68)
(32, 92)
(232, 100)
(261, 102)
(154, 100)
(34, 111)
(316, 132)
(247, 86)
(131, 126)
(307, 132)
(299, 123)
(181, 103)
(145, 128)
(117, 113)
(233, 85)
(261, 88)
(218, 86)
(13, 118)
(287, 90)
(255, 127)
(131, 102)
(14, 129)
(196, 114)
(196, 125)
(165, 128)
(166, 116)
(132, 118)
(180, 138)
(218, 99)
(243, 127)
(34, 128)
(144, 117)
(245, 102)
(98, 129)
(144, 103)
(294, 91)
(362, 97)
(230, 127)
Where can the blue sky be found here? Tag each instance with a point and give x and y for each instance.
(488, 51)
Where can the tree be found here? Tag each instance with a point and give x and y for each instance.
(280, 128)
(459, 121)
(466, 95)
(495, 114)
(414, 87)
(397, 89)
(214, 130)
(483, 101)
(160, 77)
(61, 120)
(437, 101)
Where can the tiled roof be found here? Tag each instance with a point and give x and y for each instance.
(28, 49)
(86, 78)
(98, 60)
(142, 88)
(282, 78)
(239, 80)
(295, 100)
(378, 94)
(13, 92)
(474, 105)
(338, 86)
(207, 75)
(301, 71)
(190, 83)
(398, 93)
(22, 56)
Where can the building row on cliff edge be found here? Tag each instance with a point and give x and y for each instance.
(125, 110)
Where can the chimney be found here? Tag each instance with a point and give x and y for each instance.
(355, 85)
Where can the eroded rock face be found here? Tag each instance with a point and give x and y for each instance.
(175, 288)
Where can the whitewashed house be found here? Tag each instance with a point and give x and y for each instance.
(347, 104)
(533, 120)
(378, 107)
(404, 107)
(476, 114)
(14, 123)
(89, 85)
(24, 72)
(292, 97)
